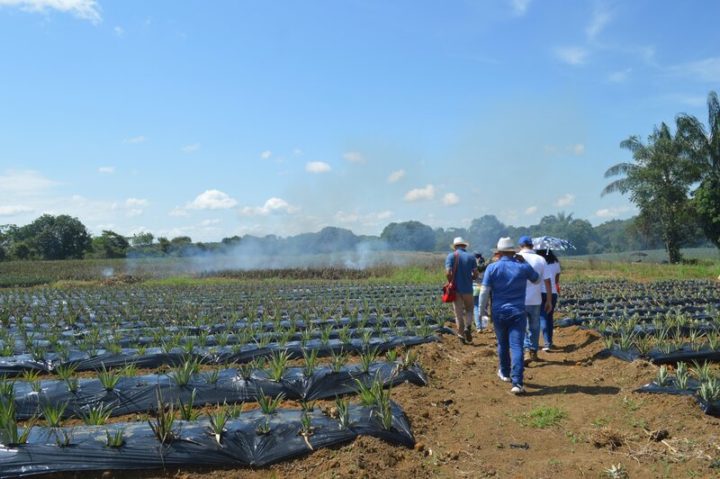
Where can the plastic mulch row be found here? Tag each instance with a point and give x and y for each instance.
(139, 394)
(243, 442)
(711, 408)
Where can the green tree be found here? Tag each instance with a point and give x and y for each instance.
(56, 237)
(164, 244)
(485, 231)
(658, 181)
(110, 245)
(409, 236)
(142, 239)
(704, 145)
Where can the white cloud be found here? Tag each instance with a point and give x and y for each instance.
(317, 167)
(191, 148)
(12, 210)
(210, 222)
(619, 76)
(24, 182)
(531, 210)
(273, 205)
(354, 157)
(265, 155)
(84, 9)
(418, 194)
(178, 211)
(599, 21)
(355, 218)
(520, 6)
(613, 212)
(136, 203)
(707, 70)
(577, 149)
(297, 152)
(119, 31)
(571, 55)
(106, 170)
(565, 200)
(395, 176)
(135, 139)
(212, 200)
(450, 199)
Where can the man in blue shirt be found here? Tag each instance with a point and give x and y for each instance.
(506, 280)
(461, 269)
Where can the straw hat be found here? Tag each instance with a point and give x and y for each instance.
(458, 241)
(505, 245)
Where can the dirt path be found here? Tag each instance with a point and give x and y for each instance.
(467, 424)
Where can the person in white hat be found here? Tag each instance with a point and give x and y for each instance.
(506, 279)
(461, 269)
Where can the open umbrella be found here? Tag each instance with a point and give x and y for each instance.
(551, 242)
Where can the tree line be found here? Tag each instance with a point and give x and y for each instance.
(64, 237)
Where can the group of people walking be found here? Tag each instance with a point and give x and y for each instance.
(521, 285)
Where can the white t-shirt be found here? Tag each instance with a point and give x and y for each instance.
(533, 292)
(554, 270)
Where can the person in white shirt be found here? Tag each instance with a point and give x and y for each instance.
(533, 297)
(546, 319)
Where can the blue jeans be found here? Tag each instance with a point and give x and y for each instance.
(533, 326)
(546, 320)
(510, 333)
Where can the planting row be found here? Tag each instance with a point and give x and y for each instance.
(704, 386)
(121, 393)
(254, 438)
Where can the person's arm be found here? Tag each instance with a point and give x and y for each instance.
(483, 300)
(449, 267)
(532, 275)
(548, 296)
(557, 283)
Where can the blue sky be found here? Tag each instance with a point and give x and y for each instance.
(211, 119)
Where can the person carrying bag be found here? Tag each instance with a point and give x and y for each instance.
(460, 271)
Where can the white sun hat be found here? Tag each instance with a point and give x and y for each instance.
(505, 244)
(459, 241)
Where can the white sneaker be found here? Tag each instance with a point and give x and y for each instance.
(504, 379)
(546, 348)
(517, 389)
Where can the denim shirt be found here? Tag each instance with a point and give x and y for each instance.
(507, 279)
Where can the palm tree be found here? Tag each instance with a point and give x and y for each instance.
(658, 181)
(705, 147)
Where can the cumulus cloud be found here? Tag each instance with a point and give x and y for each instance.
(191, 148)
(450, 199)
(565, 200)
(354, 157)
(577, 149)
(24, 182)
(531, 210)
(12, 210)
(210, 222)
(106, 170)
(520, 6)
(212, 200)
(613, 212)
(571, 55)
(369, 219)
(396, 176)
(417, 194)
(136, 203)
(135, 139)
(317, 167)
(271, 206)
(265, 155)
(84, 9)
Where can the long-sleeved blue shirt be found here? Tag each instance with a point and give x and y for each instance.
(507, 279)
(465, 268)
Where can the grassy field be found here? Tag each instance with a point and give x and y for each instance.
(400, 268)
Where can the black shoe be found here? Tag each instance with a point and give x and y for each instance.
(462, 339)
(468, 335)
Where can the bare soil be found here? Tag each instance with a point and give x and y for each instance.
(468, 424)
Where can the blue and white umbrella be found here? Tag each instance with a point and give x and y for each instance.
(551, 242)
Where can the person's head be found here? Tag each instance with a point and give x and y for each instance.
(505, 247)
(459, 242)
(525, 242)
